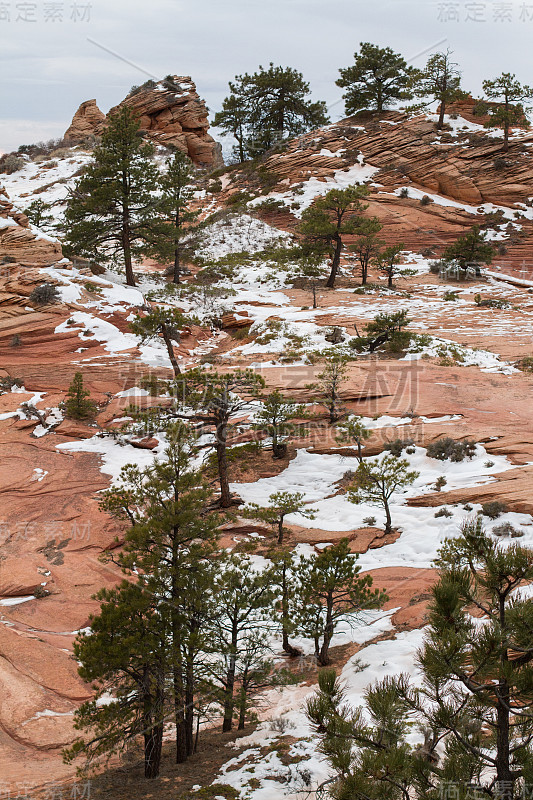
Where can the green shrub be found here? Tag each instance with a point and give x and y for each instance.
(506, 529)
(448, 449)
(45, 294)
(77, 405)
(443, 512)
(397, 446)
(493, 509)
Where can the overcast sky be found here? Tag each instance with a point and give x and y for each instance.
(48, 66)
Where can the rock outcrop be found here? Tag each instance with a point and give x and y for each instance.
(468, 166)
(171, 113)
(20, 243)
(87, 121)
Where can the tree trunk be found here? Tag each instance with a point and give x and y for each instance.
(152, 723)
(179, 717)
(314, 296)
(229, 701)
(153, 742)
(440, 123)
(323, 658)
(170, 350)
(177, 264)
(504, 775)
(391, 275)
(280, 529)
(126, 233)
(287, 646)
(388, 523)
(505, 136)
(243, 696)
(222, 462)
(364, 271)
(335, 262)
(189, 707)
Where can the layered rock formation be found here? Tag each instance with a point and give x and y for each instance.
(87, 121)
(171, 113)
(19, 243)
(468, 167)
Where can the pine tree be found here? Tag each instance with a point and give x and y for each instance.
(162, 323)
(470, 250)
(280, 505)
(473, 707)
(331, 217)
(233, 119)
(311, 270)
(511, 94)
(379, 78)
(170, 541)
(244, 598)
(77, 405)
(377, 480)
(174, 237)
(275, 418)
(367, 245)
(353, 431)
(440, 80)
(367, 747)
(267, 107)
(38, 213)
(124, 657)
(328, 386)
(330, 589)
(216, 400)
(388, 261)
(112, 207)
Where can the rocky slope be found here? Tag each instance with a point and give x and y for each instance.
(462, 381)
(171, 113)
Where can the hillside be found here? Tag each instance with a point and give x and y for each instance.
(462, 376)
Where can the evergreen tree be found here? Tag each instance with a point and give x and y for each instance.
(440, 80)
(112, 207)
(280, 505)
(275, 418)
(331, 217)
(385, 328)
(284, 578)
(233, 119)
(215, 402)
(38, 213)
(174, 237)
(244, 598)
(330, 589)
(388, 261)
(470, 250)
(367, 245)
(123, 657)
(267, 107)
(329, 384)
(311, 270)
(378, 78)
(77, 406)
(170, 541)
(162, 323)
(367, 747)
(473, 707)
(353, 431)
(511, 94)
(377, 480)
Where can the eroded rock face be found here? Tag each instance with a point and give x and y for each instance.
(87, 121)
(467, 167)
(171, 113)
(20, 243)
